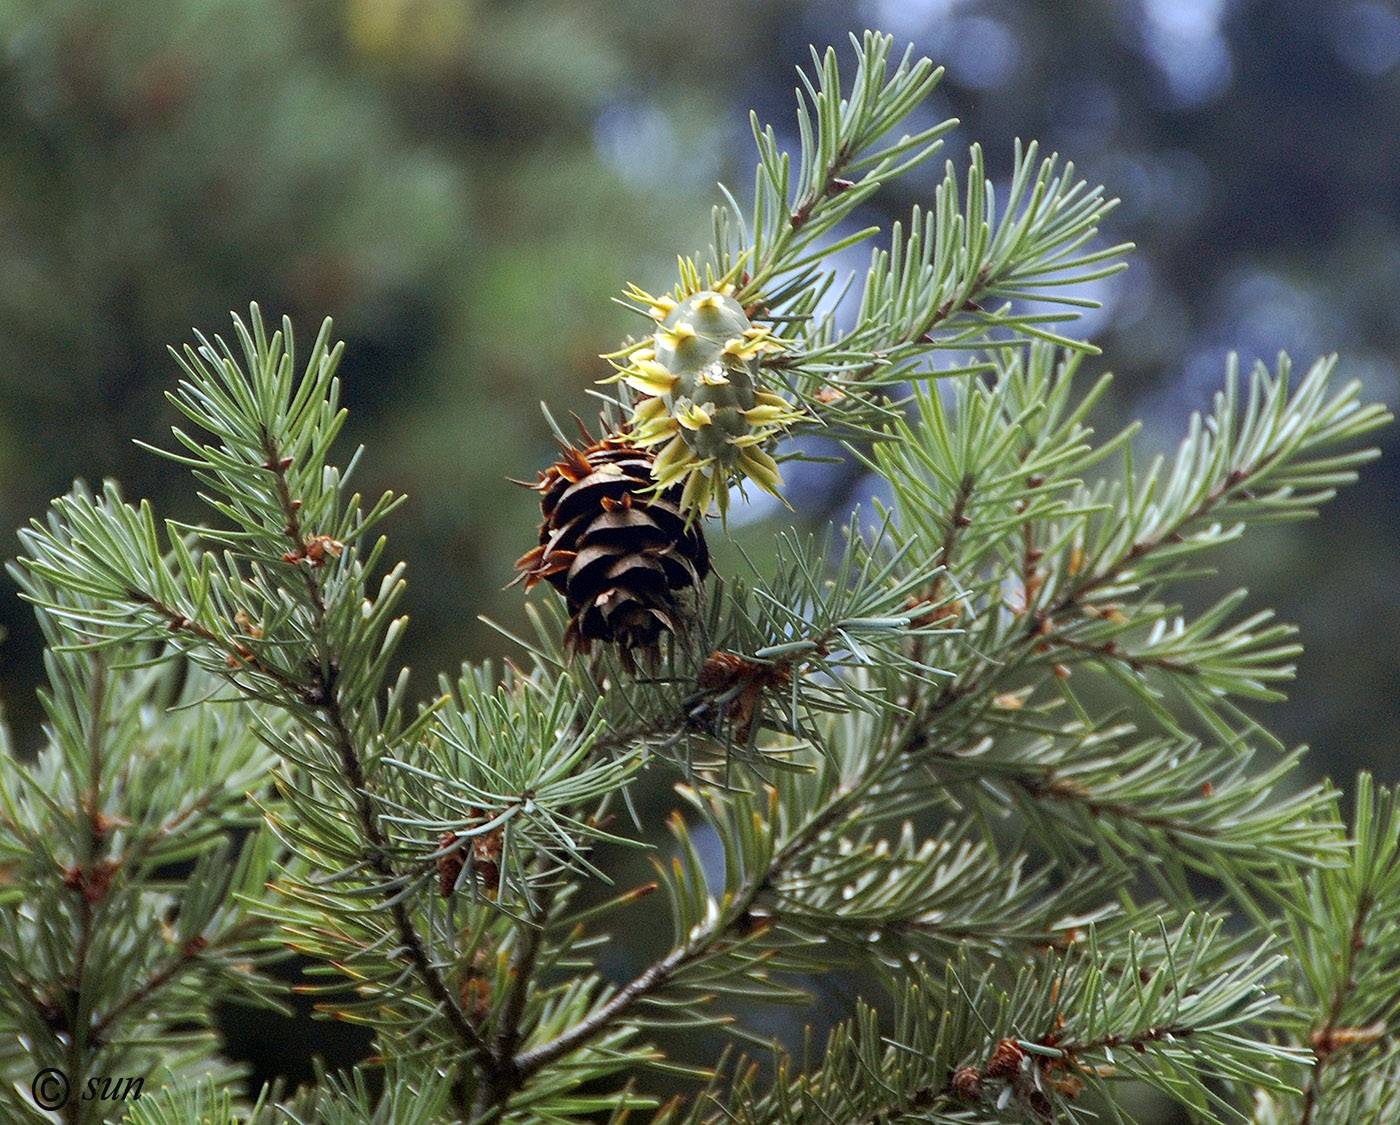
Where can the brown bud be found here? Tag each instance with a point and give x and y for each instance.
(1327, 1040)
(1005, 1061)
(966, 1083)
(321, 547)
(449, 864)
(486, 855)
(738, 684)
(487, 849)
(474, 988)
(92, 883)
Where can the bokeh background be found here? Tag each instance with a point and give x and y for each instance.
(464, 184)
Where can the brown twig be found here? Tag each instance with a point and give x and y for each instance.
(322, 693)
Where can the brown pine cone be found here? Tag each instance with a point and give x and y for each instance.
(617, 549)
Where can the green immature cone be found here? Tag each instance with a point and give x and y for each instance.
(700, 378)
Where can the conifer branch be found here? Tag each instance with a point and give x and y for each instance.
(1325, 1037)
(729, 919)
(1347, 971)
(322, 693)
(873, 735)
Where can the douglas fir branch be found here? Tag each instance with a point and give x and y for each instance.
(968, 748)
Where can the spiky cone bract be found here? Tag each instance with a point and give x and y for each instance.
(702, 399)
(620, 550)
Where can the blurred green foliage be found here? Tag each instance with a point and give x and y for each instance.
(464, 184)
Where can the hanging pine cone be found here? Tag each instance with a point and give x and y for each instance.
(619, 550)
